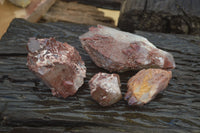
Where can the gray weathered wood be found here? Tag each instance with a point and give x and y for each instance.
(26, 101)
(169, 16)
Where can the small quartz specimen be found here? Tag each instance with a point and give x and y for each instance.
(58, 64)
(146, 84)
(105, 88)
(120, 51)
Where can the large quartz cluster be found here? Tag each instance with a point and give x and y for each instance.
(120, 51)
(58, 64)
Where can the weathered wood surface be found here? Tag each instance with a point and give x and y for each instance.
(77, 13)
(168, 16)
(108, 4)
(37, 9)
(26, 101)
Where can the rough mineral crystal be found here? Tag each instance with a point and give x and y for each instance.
(105, 88)
(115, 50)
(58, 64)
(146, 84)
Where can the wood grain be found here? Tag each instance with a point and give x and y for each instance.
(26, 102)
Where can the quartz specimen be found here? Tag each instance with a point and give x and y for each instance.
(105, 88)
(58, 64)
(120, 51)
(146, 84)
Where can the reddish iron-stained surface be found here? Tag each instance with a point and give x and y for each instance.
(115, 50)
(105, 88)
(146, 84)
(58, 64)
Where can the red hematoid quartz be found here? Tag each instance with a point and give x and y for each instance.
(105, 88)
(58, 64)
(115, 50)
(146, 84)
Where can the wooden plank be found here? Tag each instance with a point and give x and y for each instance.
(37, 9)
(77, 13)
(106, 4)
(26, 101)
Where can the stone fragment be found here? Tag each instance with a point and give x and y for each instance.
(105, 88)
(58, 64)
(120, 51)
(146, 84)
